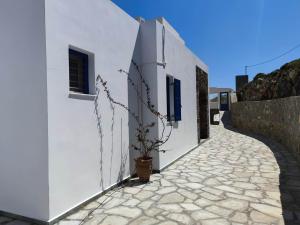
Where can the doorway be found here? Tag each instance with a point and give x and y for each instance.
(224, 101)
(202, 104)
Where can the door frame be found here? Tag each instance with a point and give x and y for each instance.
(224, 107)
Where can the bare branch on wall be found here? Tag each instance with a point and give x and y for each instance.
(146, 144)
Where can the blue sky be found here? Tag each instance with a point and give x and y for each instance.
(229, 34)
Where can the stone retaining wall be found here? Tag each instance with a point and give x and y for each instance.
(278, 119)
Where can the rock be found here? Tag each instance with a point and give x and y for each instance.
(80, 215)
(281, 83)
(172, 198)
(92, 205)
(242, 197)
(267, 209)
(168, 223)
(229, 189)
(113, 220)
(113, 202)
(132, 202)
(95, 220)
(262, 218)
(203, 202)
(152, 212)
(131, 190)
(165, 183)
(212, 191)
(219, 210)
(272, 202)
(216, 222)
(189, 206)
(144, 195)
(166, 190)
(145, 205)
(210, 196)
(273, 195)
(188, 194)
(181, 218)
(170, 208)
(125, 211)
(104, 199)
(244, 185)
(212, 182)
(203, 215)
(240, 218)
(254, 194)
(234, 204)
(194, 185)
(144, 220)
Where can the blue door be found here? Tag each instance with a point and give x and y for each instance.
(224, 101)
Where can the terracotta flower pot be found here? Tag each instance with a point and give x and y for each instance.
(144, 168)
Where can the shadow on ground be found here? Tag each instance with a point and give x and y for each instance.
(289, 178)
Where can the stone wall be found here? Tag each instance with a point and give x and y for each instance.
(278, 119)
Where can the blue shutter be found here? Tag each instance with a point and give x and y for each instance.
(168, 98)
(177, 99)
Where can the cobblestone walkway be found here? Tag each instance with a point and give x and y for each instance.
(230, 179)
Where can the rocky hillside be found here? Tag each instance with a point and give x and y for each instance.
(281, 83)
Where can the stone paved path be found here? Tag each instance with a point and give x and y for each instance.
(230, 179)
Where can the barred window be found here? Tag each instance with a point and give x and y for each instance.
(78, 72)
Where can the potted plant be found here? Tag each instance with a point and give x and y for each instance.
(144, 162)
(145, 144)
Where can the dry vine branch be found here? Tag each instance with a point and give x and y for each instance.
(147, 144)
(149, 105)
(100, 132)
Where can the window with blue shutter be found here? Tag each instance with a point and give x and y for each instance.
(78, 72)
(168, 82)
(177, 100)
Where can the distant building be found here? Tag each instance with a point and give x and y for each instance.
(221, 98)
(241, 81)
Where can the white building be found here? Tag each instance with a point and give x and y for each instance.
(53, 157)
(221, 98)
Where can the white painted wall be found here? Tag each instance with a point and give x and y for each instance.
(231, 97)
(101, 28)
(181, 64)
(23, 109)
(149, 70)
(134, 103)
(215, 105)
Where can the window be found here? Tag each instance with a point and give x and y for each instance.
(224, 98)
(173, 87)
(78, 72)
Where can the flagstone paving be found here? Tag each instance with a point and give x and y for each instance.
(230, 179)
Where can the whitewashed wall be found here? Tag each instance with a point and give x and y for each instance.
(23, 109)
(149, 69)
(181, 64)
(101, 28)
